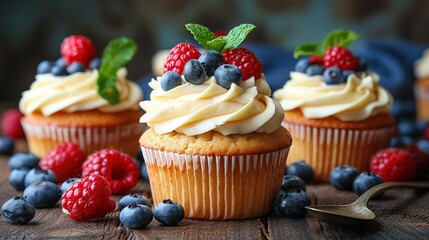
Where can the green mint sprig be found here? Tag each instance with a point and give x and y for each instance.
(207, 39)
(116, 55)
(341, 38)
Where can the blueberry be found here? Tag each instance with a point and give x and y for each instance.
(95, 63)
(23, 160)
(363, 65)
(402, 109)
(342, 177)
(211, 60)
(59, 70)
(61, 62)
(302, 65)
(227, 74)
(291, 181)
(365, 181)
(75, 68)
(396, 142)
(143, 172)
(170, 80)
(423, 145)
(42, 194)
(333, 75)
(136, 216)
(133, 198)
(17, 178)
(194, 72)
(302, 170)
(67, 184)
(407, 127)
(347, 73)
(314, 70)
(18, 210)
(169, 213)
(37, 175)
(7, 146)
(291, 203)
(44, 67)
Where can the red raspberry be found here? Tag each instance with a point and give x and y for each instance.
(11, 123)
(245, 60)
(394, 164)
(179, 55)
(88, 198)
(118, 168)
(422, 159)
(316, 60)
(65, 161)
(77, 48)
(340, 57)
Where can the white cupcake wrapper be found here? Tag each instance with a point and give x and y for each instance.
(216, 187)
(326, 148)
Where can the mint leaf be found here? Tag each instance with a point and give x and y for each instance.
(201, 33)
(217, 44)
(339, 38)
(116, 55)
(308, 49)
(237, 35)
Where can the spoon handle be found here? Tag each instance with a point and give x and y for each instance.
(364, 198)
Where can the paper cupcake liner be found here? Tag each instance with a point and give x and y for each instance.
(327, 148)
(42, 139)
(422, 103)
(216, 187)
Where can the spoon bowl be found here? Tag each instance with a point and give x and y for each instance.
(356, 212)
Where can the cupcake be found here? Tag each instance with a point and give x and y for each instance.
(84, 99)
(421, 87)
(335, 109)
(215, 143)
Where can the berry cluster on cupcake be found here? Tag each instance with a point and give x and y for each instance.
(215, 133)
(84, 99)
(335, 109)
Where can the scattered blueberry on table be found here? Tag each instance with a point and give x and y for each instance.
(169, 213)
(18, 210)
(7, 146)
(342, 177)
(136, 216)
(133, 198)
(364, 181)
(302, 170)
(42, 194)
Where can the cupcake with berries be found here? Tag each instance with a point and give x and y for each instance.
(215, 143)
(335, 109)
(84, 99)
(421, 86)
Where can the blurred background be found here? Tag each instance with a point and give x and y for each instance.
(393, 32)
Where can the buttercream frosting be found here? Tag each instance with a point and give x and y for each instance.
(357, 99)
(196, 109)
(421, 66)
(77, 92)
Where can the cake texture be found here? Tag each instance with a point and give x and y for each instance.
(421, 86)
(68, 107)
(213, 144)
(336, 111)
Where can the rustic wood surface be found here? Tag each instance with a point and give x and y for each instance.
(401, 214)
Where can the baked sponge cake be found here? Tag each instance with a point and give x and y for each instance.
(84, 99)
(215, 142)
(335, 109)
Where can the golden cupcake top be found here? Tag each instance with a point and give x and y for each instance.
(222, 89)
(79, 81)
(334, 82)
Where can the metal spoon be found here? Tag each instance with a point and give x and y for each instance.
(356, 212)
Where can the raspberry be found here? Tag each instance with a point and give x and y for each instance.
(179, 55)
(316, 60)
(394, 164)
(88, 198)
(118, 168)
(245, 60)
(65, 161)
(422, 160)
(11, 123)
(77, 48)
(340, 57)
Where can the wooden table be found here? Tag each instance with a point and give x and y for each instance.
(401, 214)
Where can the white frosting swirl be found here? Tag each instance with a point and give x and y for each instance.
(358, 99)
(421, 66)
(196, 109)
(77, 92)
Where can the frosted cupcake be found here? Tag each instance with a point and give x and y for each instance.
(335, 109)
(77, 100)
(421, 86)
(215, 142)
